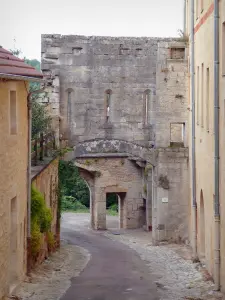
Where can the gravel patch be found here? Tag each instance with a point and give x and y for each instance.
(176, 277)
(51, 279)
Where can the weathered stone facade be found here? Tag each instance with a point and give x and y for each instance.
(124, 98)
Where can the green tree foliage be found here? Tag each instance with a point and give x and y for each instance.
(69, 203)
(72, 184)
(111, 199)
(40, 118)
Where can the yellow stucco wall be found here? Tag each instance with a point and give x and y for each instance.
(13, 183)
(204, 54)
(222, 142)
(204, 136)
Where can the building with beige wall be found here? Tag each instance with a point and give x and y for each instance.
(14, 78)
(207, 234)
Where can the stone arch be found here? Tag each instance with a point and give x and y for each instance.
(202, 225)
(88, 178)
(115, 147)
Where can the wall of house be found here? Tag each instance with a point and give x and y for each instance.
(13, 186)
(81, 69)
(204, 123)
(171, 193)
(170, 119)
(222, 141)
(147, 83)
(45, 179)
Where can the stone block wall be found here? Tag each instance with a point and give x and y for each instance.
(170, 112)
(171, 194)
(80, 70)
(126, 96)
(45, 180)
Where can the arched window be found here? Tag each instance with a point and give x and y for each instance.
(108, 95)
(146, 98)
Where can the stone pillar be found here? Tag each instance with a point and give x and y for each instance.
(122, 215)
(154, 206)
(149, 202)
(92, 206)
(100, 209)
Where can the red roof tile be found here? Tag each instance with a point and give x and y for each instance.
(12, 65)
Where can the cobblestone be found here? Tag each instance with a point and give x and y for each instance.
(176, 276)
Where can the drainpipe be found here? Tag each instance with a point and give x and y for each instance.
(193, 165)
(29, 105)
(216, 147)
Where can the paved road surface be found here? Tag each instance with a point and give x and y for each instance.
(114, 272)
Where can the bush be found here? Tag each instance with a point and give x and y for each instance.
(41, 219)
(35, 238)
(114, 207)
(69, 203)
(51, 240)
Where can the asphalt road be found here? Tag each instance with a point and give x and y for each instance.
(114, 271)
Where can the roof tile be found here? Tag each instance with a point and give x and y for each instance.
(12, 65)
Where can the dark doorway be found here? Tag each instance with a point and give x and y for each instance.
(112, 210)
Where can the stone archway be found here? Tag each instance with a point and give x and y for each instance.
(115, 166)
(88, 178)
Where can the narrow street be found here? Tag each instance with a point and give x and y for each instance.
(114, 272)
(115, 265)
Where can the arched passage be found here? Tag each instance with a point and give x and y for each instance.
(202, 225)
(75, 190)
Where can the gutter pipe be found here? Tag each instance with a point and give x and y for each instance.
(193, 165)
(216, 148)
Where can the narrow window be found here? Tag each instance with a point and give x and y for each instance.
(177, 133)
(202, 97)
(13, 113)
(146, 106)
(108, 94)
(177, 53)
(207, 99)
(197, 97)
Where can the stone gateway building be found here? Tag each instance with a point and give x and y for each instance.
(122, 104)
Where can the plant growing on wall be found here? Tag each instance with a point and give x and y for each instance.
(41, 219)
(164, 182)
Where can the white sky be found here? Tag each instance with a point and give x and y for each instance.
(26, 20)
